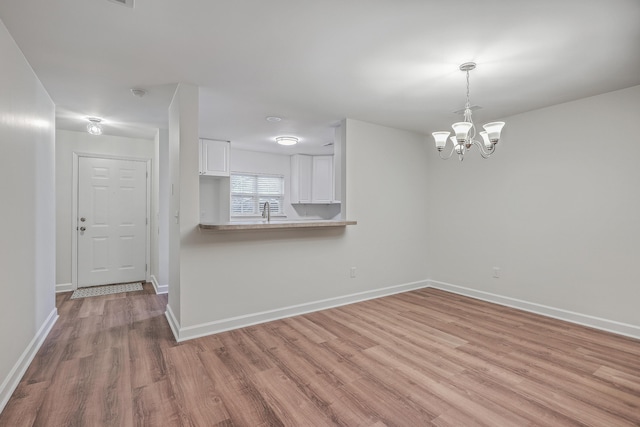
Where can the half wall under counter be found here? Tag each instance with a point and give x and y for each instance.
(277, 224)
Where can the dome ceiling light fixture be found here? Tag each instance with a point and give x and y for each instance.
(94, 127)
(138, 93)
(465, 131)
(287, 140)
(273, 119)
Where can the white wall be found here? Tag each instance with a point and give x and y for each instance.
(556, 209)
(27, 247)
(154, 260)
(161, 270)
(231, 276)
(184, 203)
(68, 142)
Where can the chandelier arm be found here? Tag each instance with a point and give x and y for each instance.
(472, 132)
(449, 156)
(483, 152)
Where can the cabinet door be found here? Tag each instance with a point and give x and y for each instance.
(214, 157)
(301, 166)
(322, 179)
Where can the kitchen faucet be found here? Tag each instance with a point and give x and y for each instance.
(266, 211)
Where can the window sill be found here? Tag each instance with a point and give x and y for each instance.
(254, 217)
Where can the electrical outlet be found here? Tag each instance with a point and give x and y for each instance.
(496, 272)
(352, 272)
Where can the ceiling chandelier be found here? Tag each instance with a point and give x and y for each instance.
(465, 131)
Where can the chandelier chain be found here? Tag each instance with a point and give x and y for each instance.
(467, 116)
(468, 102)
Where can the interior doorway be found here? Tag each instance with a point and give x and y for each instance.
(111, 220)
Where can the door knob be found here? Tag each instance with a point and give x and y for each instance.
(83, 228)
(83, 219)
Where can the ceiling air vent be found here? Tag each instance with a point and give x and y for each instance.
(128, 3)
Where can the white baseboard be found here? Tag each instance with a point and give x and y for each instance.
(557, 313)
(64, 287)
(173, 322)
(210, 328)
(12, 380)
(160, 289)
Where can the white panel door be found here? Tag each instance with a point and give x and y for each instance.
(112, 216)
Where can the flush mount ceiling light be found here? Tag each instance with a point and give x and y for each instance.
(466, 131)
(94, 127)
(287, 140)
(274, 119)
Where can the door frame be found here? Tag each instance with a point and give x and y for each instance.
(74, 211)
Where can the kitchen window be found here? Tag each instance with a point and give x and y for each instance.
(249, 192)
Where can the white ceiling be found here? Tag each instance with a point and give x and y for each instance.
(392, 62)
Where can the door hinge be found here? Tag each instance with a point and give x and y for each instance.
(145, 268)
(147, 174)
(146, 221)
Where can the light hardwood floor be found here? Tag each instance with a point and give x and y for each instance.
(420, 358)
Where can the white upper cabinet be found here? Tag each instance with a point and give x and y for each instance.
(312, 179)
(322, 179)
(301, 169)
(214, 157)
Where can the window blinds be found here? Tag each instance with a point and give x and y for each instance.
(249, 192)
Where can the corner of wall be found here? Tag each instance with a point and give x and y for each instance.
(174, 324)
(607, 325)
(160, 289)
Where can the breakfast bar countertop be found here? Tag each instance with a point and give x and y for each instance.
(277, 224)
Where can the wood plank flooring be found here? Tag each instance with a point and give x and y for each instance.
(420, 358)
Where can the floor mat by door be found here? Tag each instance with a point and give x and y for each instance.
(106, 290)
